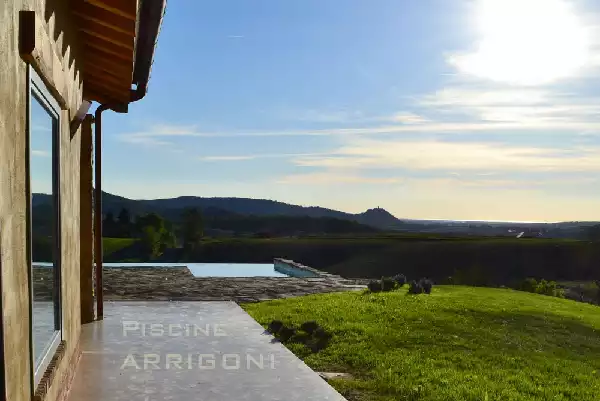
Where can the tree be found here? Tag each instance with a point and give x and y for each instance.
(155, 234)
(192, 229)
(150, 219)
(150, 241)
(124, 223)
(108, 225)
(124, 217)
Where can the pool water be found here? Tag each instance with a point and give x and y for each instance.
(224, 269)
(212, 269)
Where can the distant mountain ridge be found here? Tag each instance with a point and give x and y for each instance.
(220, 208)
(171, 208)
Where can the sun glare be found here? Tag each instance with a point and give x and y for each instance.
(527, 42)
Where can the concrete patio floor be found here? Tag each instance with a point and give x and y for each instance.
(210, 351)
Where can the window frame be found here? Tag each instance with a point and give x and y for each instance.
(38, 91)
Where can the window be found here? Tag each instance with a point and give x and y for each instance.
(43, 159)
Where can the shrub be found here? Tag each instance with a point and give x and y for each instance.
(529, 285)
(286, 333)
(275, 326)
(547, 288)
(309, 327)
(388, 284)
(400, 279)
(541, 287)
(544, 287)
(321, 341)
(374, 286)
(315, 339)
(321, 333)
(415, 288)
(426, 285)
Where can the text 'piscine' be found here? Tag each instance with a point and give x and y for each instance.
(134, 328)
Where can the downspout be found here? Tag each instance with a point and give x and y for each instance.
(136, 95)
(98, 209)
(98, 254)
(151, 14)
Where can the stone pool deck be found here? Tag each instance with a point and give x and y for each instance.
(178, 284)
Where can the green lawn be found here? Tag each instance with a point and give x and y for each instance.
(460, 343)
(112, 245)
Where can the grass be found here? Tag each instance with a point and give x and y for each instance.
(112, 245)
(460, 343)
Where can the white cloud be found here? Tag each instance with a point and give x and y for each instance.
(526, 108)
(333, 177)
(506, 183)
(456, 156)
(408, 118)
(146, 140)
(526, 42)
(436, 184)
(477, 96)
(40, 153)
(38, 127)
(322, 116)
(172, 130)
(225, 158)
(521, 47)
(152, 137)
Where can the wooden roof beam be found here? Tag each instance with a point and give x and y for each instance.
(110, 35)
(108, 69)
(93, 95)
(124, 8)
(112, 41)
(111, 51)
(90, 12)
(107, 90)
(96, 75)
(95, 55)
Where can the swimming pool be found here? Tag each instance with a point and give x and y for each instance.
(226, 269)
(214, 269)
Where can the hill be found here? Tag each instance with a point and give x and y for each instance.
(379, 218)
(170, 208)
(265, 207)
(459, 343)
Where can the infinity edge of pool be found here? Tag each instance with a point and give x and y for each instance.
(217, 270)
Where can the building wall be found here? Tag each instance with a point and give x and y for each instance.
(55, 44)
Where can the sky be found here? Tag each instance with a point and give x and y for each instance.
(431, 109)
(41, 148)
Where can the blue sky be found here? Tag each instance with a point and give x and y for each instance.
(479, 109)
(41, 148)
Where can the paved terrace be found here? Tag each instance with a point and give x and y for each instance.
(177, 283)
(210, 351)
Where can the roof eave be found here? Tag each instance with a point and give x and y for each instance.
(150, 17)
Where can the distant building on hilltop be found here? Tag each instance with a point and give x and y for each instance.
(532, 234)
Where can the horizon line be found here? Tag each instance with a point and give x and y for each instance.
(401, 219)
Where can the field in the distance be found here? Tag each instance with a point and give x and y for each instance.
(467, 261)
(112, 245)
(460, 343)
